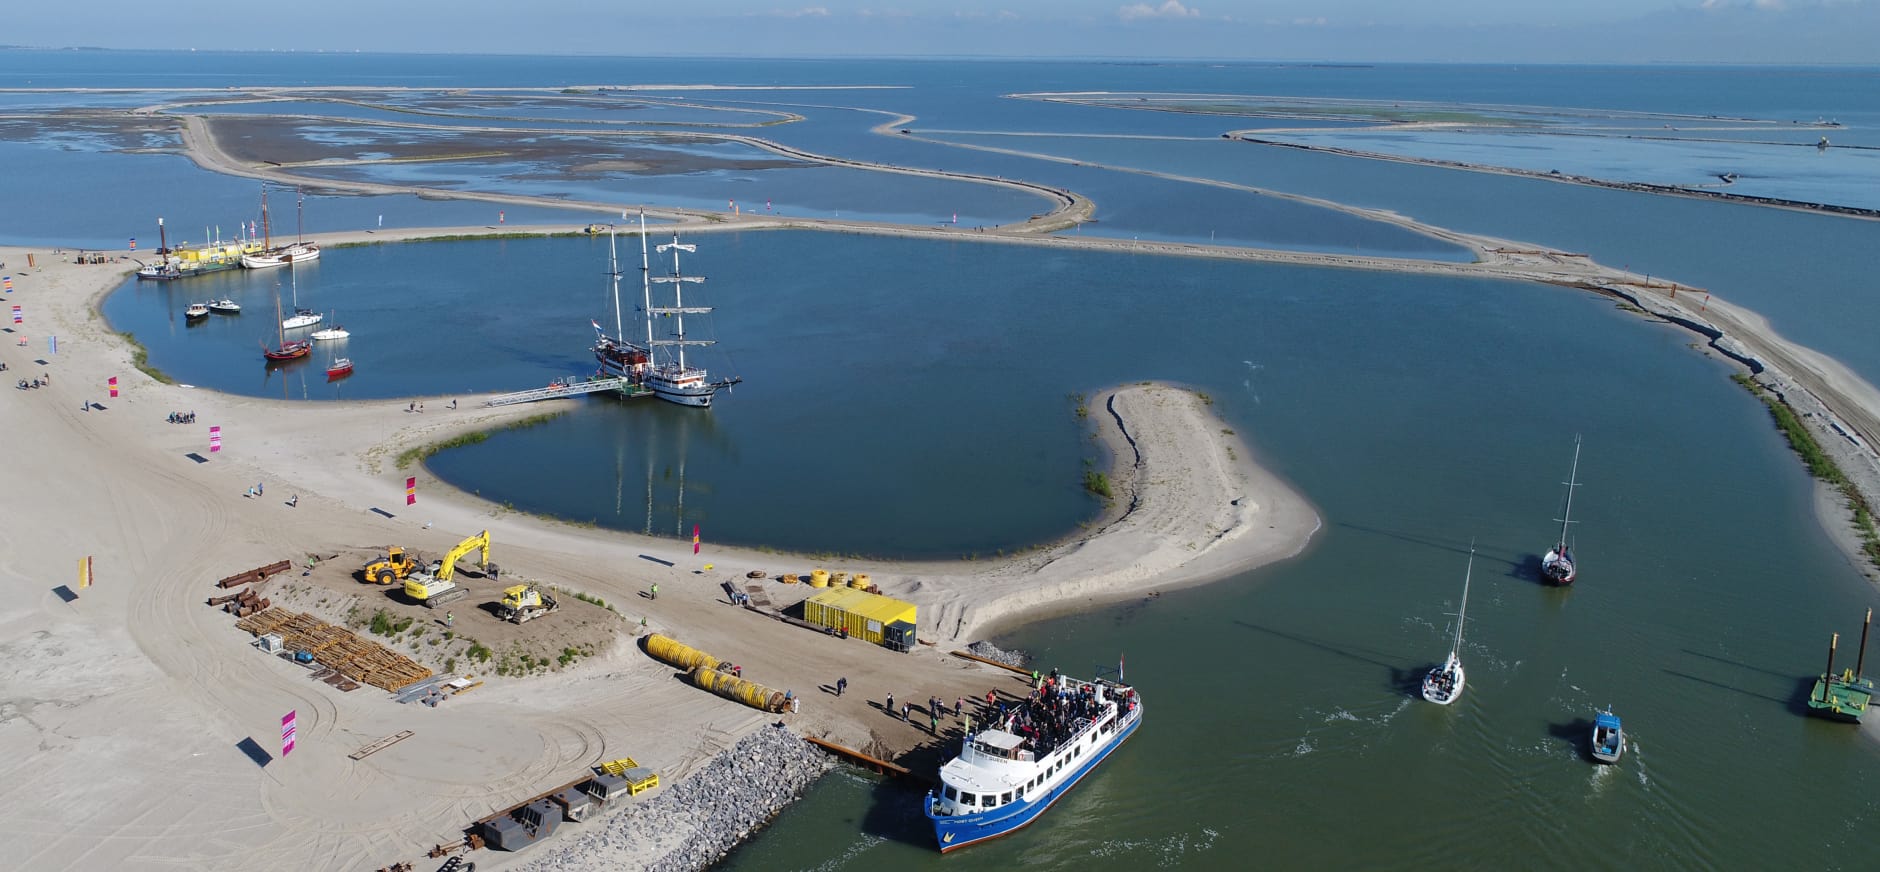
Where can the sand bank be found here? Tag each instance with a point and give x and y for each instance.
(135, 719)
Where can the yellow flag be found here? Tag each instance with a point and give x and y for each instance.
(84, 572)
(708, 567)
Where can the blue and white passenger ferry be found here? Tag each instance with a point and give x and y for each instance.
(1008, 774)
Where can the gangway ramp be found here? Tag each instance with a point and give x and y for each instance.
(559, 391)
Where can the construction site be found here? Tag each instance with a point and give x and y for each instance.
(415, 632)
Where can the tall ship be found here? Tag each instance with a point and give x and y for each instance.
(1557, 565)
(668, 375)
(617, 356)
(271, 255)
(1007, 774)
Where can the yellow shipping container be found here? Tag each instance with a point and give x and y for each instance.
(863, 614)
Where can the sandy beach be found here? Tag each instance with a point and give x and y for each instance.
(109, 478)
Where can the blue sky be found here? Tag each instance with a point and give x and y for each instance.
(1593, 31)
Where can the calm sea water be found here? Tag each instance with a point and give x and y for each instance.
(1418, 414)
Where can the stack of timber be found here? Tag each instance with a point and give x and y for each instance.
(337, 648)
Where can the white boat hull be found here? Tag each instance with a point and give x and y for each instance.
(684, 395)
(1444, 683)
(288, 256)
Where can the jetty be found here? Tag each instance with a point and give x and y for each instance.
(561, 390)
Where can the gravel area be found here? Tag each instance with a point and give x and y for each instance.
(694, 823)
(997, 654)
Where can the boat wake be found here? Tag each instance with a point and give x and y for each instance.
(854, 851)
(1170, 851)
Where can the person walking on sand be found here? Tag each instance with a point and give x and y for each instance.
(655, 590)
(906, 709)
(453, 404)
(449, 619)
(293, 501)
(935, 727)
(842, 684)
(889, 708)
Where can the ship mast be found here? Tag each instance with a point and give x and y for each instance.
(267, 234)
(613, 269)
(1463, 613)
(678, 309)
(1573, 481)
(646, 289)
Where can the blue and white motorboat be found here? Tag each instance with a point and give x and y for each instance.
(1608, 737)
(1007, 775)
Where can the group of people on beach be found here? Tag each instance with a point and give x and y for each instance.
(182, 417)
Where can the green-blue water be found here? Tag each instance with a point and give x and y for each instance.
(914, 397)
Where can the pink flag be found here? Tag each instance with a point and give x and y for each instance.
(287, 734)
(215, 439)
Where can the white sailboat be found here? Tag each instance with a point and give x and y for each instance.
(672, 379)
(301, 317)
(1444, 683)
(330, 333)
(286, 255)
(1557, 566)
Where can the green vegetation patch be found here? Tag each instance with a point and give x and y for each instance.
(1820, 465)
(140, 358)
(422, 453)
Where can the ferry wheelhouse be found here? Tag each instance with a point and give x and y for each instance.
(1007, 775)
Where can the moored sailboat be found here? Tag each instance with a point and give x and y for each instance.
(1443, 685)
(671, 378)
(286, 255)
(617, 356)
(340, 368)
(285, 350)
(1557, 565)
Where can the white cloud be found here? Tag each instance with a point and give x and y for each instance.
(1169, 9)
(805, 12)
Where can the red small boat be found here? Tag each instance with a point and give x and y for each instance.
(290, 351)
(285, 350)
(339, 369)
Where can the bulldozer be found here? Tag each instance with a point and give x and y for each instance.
(525, 602)
(434, 587)
(394, 565)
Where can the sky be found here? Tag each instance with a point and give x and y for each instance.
(1535, 31)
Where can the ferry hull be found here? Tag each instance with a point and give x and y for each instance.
(954, 832)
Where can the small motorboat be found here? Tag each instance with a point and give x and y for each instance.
(225, 307)
(196, 310)
(1608, 737)
(339, 368)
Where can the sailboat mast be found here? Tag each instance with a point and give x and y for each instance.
(646, 288)
(267, 233)
(613, 269)
(1462, 614)
(1573, 479)
(678, 302)
(163, 238)
(300, 213)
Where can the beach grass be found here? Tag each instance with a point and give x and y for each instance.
(140, 358)
(1820, 465)
(421, 453)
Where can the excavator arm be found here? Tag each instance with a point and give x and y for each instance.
(480, 541)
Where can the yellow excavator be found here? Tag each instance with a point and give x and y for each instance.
(394, 565)
(434, 587)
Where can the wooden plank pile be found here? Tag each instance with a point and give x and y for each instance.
(337, 648)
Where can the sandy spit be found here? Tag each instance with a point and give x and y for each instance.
(135, 721)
